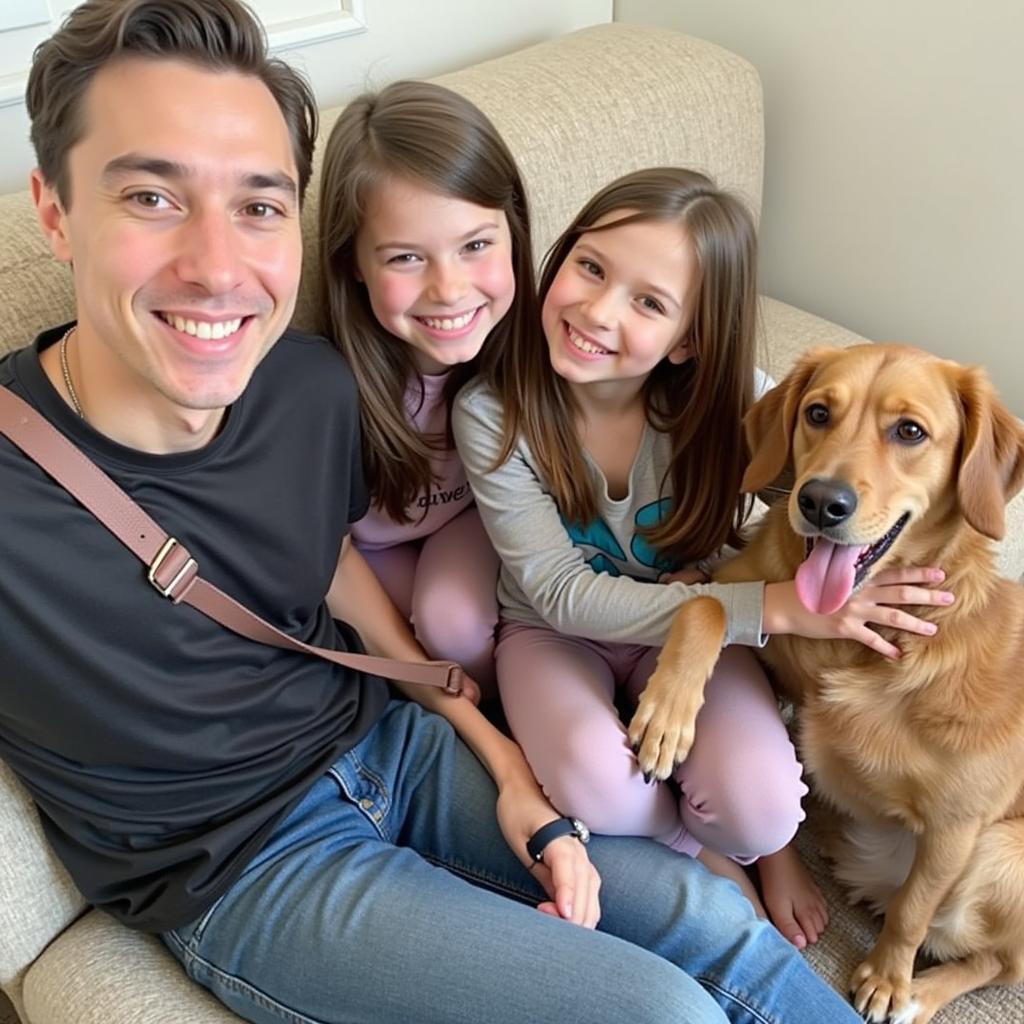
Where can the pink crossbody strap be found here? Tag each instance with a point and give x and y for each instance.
(169, 566)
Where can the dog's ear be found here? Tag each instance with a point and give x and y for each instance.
(991, 454)
(769, 423)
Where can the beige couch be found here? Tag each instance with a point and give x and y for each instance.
(577, 112)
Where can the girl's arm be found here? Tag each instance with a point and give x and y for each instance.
(873, 603)
(527, 531)
(566, 873)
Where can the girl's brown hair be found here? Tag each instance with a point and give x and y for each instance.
(429, 135)
(700, 404)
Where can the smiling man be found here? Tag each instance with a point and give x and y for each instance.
(307, 847)
(184, 238)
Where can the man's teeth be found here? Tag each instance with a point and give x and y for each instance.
(448, 323)
(584, 345)
(203, 329)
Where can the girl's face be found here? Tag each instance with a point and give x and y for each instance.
(621, 302)
(438, 270)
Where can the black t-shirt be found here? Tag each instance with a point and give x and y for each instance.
(161, 748)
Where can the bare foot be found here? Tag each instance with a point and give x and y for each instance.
(795, 903)
(727, 868)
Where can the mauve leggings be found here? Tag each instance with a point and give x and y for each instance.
(741, 785)
(445, 586)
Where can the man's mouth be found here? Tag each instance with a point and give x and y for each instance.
(831, 572)
(204, 330)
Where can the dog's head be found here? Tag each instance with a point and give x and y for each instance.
(884, 444)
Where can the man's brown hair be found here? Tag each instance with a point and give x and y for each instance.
(219, 35)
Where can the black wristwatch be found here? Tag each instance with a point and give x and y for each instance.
(538, 842)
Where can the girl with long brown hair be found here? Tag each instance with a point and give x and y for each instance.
(425, 258)
(606, 453)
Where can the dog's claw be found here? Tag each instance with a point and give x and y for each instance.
(647, 778)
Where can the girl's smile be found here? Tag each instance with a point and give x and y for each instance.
(453, 325)
(438, 270)
(583, 346)
(621, 301)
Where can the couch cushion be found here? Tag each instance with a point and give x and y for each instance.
(36, 289)
(98, 972)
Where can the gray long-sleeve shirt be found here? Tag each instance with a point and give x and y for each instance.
(590, 580)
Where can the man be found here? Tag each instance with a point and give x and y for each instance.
(304, 846)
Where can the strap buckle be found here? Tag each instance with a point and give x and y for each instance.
(182, 567)
(453, 684)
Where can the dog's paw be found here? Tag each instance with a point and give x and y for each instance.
(882, 996)
(662, 730)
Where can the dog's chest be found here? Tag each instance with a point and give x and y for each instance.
(860, 746)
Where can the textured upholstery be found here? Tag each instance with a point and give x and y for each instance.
(576, 112)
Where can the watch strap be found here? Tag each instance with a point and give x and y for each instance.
(546, 834)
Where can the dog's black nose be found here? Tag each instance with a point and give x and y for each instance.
(825, 503)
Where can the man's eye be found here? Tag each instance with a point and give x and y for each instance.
(262, 211)
(150, 200)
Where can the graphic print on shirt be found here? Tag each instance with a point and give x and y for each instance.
(646, 519)
(608, 555)
(443, 497)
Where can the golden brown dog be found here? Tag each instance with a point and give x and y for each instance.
(897, 458)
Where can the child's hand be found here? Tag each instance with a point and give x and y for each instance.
(470, 690)
(873, 603)
(565, 872)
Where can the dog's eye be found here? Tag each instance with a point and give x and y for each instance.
(817, 414)
(910, 432)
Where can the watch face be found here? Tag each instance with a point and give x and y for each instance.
(582, 832)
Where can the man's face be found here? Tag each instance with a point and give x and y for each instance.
(183, 231)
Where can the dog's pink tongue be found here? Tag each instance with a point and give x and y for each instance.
(825, 580)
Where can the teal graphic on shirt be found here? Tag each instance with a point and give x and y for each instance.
(608, 555)
(647, 518)
(597, 535)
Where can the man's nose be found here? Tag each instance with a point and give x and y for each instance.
(210, 253)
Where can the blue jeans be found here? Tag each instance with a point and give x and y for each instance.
(389, 896)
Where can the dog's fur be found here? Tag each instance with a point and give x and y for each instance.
(925, 754)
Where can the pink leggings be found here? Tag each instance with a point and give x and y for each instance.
(741, 786)
(445, 586)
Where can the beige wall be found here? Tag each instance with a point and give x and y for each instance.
(402, 38)
(894, 175)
